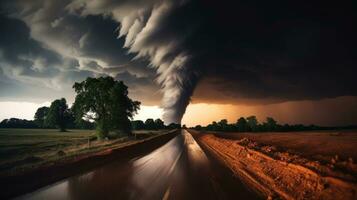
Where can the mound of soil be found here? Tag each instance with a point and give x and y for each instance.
(281, 174)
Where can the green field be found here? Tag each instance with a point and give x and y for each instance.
(23, 149)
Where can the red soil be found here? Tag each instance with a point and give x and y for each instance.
(279, 173)
(315, 144)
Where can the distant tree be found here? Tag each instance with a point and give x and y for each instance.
(286, 127)
(137, 125)
(17, 123)
(40, 116)
(150, 124)
(252, 123)
(174, 126)
(105, 101)
(198, 127)
(159, 124)
(241, 124)
(271, 124)
(58, 114)
(223, 124)
(214, 126)
(299, 127)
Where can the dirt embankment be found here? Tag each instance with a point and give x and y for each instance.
(280, 174)
(317, 145)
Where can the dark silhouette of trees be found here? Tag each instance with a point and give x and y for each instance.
(101, 103)
(198, 127)
(82, 124)
(58, 114)
(271, 124)
(105, 101)
(42, 113)
(241, 124)
(71, 120)
(159, 124)
(40, 116)
(252, 123)
(213, 126)
(174, 126)
(23, 123)
(17, 123)
(137, 125)
(43, 118)
(223, 124)
(149, 124)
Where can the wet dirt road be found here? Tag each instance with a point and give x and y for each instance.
(180, 169)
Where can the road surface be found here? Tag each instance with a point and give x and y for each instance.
(180, 169)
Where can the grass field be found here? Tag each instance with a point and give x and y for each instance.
(23, 149)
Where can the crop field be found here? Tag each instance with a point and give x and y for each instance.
(23, 149)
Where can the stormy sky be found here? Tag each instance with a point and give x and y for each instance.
(172, 52)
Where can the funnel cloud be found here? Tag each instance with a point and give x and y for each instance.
(150, 33)
(231, 52)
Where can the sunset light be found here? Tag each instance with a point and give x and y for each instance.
(178, 100)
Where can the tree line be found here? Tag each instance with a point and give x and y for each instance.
(58, 115)
(17, 123)
(251, 124)
(24, 123)
(101, 103)
(151, 124)
(41, 122)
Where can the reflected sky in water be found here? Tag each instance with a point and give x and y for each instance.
(146, 177)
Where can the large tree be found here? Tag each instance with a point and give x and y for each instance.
(105, 101)
(58, 114)
(40, 116)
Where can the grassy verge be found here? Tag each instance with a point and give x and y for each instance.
(22, 150)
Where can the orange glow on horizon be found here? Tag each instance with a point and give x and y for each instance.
(326, 112)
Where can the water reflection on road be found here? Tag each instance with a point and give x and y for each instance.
(141, 178)
(177, 170)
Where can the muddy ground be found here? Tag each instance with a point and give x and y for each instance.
(315, 144)
(297, 165)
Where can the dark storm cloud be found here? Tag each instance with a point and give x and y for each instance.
(285, 51)
(43, 47)
(239, 49)
(234, 51)
(156, 30)
(141, 88)
(18, 49)
(24, 60)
